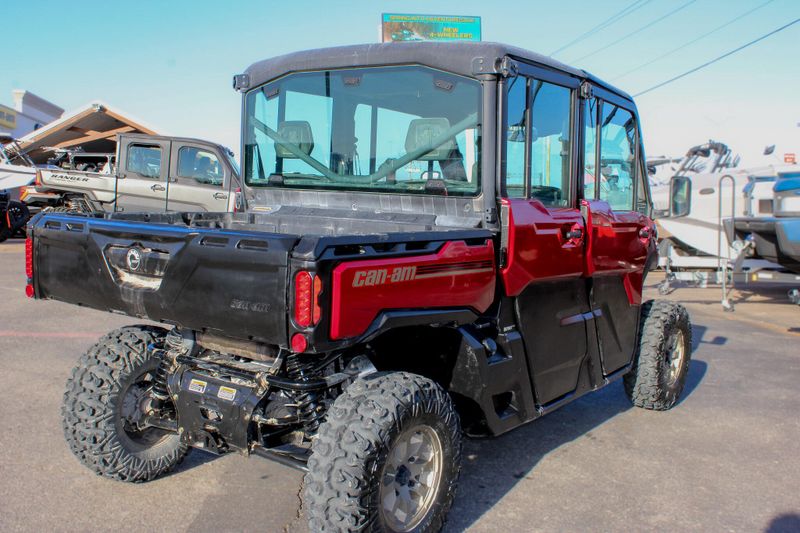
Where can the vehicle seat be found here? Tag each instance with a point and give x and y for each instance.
(421, 131)
(298, 133)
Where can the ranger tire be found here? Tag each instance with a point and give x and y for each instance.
(387, 457)
(661, 363)
(102, 398)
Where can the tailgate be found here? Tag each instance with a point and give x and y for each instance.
(223, 281)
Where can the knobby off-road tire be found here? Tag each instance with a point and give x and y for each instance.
(64, 209)
(662, 361)
(105, 387)
(387, 438)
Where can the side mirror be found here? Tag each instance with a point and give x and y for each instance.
(651, 170)
(680, 196)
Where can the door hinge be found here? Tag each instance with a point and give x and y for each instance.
(586, 90)
(503, 259)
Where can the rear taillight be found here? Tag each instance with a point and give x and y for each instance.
(307, 310)
(29, 291)
(38, 180)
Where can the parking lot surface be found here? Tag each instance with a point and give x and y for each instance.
(726, 458)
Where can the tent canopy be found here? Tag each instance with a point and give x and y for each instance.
(93, 128)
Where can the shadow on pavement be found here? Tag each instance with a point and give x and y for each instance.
(698, 337)
(193, 459)
(493, 466)
(785, 523)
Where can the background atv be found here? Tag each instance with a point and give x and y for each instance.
(421, 258)
(13, 216)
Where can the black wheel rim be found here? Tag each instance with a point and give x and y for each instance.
(134, 399)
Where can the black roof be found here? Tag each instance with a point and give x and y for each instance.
(459, 57)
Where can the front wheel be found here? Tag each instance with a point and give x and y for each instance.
(103, 408)
(662, 360)
(387, 457)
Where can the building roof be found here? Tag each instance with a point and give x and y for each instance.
(23, 99)
(461, 57)
(93, 127)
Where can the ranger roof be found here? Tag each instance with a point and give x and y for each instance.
(462, 57)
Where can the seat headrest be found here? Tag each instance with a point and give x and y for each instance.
(298, 133)
(422, 131)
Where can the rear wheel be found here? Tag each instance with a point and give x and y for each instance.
(103, 409)
(662, 362)
(17, 216)
(387, 458)
(5, 231)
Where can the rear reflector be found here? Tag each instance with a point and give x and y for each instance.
(299, 343)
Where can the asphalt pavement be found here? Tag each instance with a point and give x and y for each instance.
(726, 458)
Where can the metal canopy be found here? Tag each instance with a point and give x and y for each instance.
(93, 127)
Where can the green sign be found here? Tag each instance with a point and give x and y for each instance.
(399, 27)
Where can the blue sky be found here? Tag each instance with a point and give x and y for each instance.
(170, 63)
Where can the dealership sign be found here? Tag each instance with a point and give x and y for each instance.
(399, 27)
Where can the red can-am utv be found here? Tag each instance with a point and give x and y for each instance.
(441, 238)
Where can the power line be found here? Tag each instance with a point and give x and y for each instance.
(631, 34)
(662, 56)
(723, 56)
(608, 22)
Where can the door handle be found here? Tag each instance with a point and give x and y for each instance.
(158, 187)
(220, 196)
(573, 235)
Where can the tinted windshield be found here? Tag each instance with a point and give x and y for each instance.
(388, 129)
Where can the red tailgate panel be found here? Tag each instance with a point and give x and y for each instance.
(458, 275)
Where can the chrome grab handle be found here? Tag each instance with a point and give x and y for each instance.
(220, 196)
(158, 187)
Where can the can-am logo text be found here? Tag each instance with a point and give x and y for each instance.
(381, 276)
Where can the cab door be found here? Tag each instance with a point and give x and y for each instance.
(621, 236)
(141, 184)
(543, 230)
(199, 179)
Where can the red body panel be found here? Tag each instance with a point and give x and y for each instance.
(458, 275)
(538, 248)
(616, 248)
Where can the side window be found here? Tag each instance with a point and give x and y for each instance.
(144, 160)
(201, 165)
(551, 112)
(589, 147)
(617, 167)
(515, 139)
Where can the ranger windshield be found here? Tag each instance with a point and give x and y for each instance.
(403, 129)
